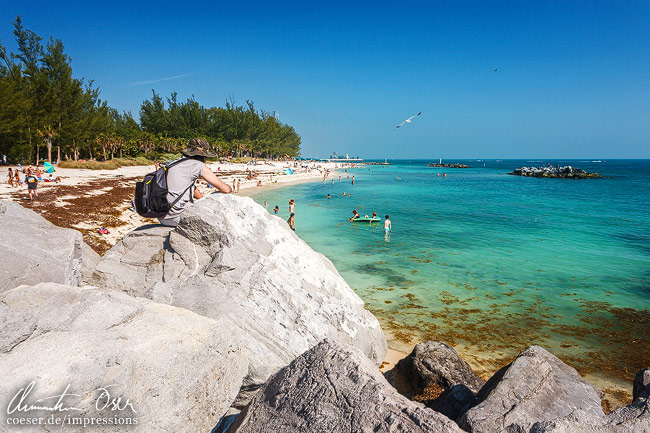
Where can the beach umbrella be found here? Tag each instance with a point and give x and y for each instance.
(48, 167)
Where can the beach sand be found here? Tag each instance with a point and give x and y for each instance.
(87, 200)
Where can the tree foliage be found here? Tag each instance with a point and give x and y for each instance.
(44, 106)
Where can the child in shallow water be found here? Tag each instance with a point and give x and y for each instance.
(276, 210)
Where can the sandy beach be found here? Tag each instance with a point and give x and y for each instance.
(87, 200)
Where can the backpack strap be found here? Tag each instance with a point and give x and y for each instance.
(171, 205)
(167, 167)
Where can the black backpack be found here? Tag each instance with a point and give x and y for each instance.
(151, 193)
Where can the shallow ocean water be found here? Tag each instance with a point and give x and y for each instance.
(492, 263)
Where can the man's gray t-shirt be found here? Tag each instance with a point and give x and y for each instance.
(179, 178)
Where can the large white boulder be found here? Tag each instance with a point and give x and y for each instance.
(178, 369)
(33, 250)
(230, 259)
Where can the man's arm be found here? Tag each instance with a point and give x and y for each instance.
(213, 180)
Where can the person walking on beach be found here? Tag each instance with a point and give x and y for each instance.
(10, 176)
(181, 180)
(238, 185)
(32, 184)
(292, 222)
(234, 185)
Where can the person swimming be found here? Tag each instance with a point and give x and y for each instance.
(355, 215)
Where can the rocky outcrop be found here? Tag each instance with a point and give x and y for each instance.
(334, 388)
(230, 259)
(641, 384)
(566, 172)
(436, 363)
(634, 417)
(436, 366)
(535, 387)
(33, 250)
(177, 369)
(439, 165)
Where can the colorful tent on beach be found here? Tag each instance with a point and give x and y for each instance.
(288, 171)
(49, 168)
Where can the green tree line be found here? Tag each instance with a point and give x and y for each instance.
(47, 114)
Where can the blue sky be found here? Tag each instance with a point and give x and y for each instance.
(573, 78)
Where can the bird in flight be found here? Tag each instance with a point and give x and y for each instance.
(409, 119)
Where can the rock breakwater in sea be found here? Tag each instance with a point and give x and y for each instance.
(566, 172)
(441, 165)
(232, 311)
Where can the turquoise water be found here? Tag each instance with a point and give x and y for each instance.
(492, 263)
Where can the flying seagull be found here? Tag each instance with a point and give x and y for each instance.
(409, 119)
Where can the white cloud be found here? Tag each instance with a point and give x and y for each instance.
(141, 83)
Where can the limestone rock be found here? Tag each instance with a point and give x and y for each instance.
(632, 418)
(437, 363)
(641, 385)
(453, 402)
(334, 388)
(177, 368)
(33, 250)
(229, 258)
(535, 387)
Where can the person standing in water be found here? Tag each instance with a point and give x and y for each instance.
(292, 205)
(388, 227)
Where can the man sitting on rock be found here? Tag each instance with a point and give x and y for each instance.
(184, 174)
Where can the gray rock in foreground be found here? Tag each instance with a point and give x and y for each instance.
(535, 387)
(641, 385)
(230, 259)
(634, 418)
(33, 250)
(436, 365)
(334, 388)
(177, 368)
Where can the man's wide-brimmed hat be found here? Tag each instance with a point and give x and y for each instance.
(198, 147)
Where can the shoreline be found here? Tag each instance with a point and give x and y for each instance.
(96, 184)
(87, 200)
